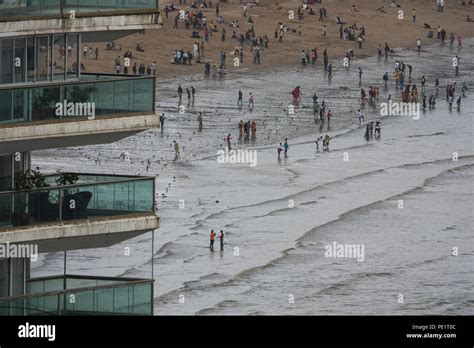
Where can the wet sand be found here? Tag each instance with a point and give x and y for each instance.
(408, 251)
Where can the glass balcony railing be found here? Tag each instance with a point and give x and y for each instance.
(81, 295)
(91, 197)
(96, 95)
(14, 9)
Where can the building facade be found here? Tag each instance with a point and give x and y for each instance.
(47, 101)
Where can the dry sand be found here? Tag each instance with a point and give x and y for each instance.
(380, 28)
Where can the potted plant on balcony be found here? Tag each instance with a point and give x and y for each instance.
(44, 103)
(66, 178)
(27, 203)
(79, 94)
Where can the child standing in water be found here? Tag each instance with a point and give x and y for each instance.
(286, 147)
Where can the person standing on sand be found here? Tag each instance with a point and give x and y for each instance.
(410, 69)
(200, 121)
(162, 122)
(330, 72)
(367, 131)
(325, 59)
(387, 50)
(239, 100)
(360, 116)
(229, 139)
(418, 45)
(413, 15)
(251, 101)
(360, 74)
(176, 150)
(253, 129)
(378, 127)
(303, 57)
(459, 42)
(329, 116)
(317, 143)
(176, 20)
(180, 92)
(440, 4)
(326, 143)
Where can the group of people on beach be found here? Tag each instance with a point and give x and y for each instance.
(409, 93)
(370, 129)
(245, 128)
(212, 238)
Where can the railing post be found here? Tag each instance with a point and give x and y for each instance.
(60, 202)
(61, 7)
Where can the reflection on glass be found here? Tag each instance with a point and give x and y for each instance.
(43, 58)
(72, 49)
(59, 57)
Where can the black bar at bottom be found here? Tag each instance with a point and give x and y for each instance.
(429, 331)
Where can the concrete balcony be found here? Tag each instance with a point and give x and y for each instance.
(53, 16)
(92, 296)
(123, 106)
(97, 211)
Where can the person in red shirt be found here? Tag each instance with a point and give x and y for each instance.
(212, 239)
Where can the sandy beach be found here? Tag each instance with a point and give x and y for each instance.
(160, 44)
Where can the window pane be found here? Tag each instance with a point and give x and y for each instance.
(3, 278)
(30, 57)
(6, 61)
(19, 61)
(19, 104)
(18, 275)
(43, 58)
(5, 106)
